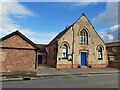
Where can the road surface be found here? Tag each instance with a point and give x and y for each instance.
(97, 81)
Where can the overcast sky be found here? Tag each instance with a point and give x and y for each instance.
(42, 21)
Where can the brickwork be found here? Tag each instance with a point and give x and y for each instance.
(76, 66)
(113, 51)
(51, 63)
(72, 39)
(19, 55)
(64, 66)
(51, 59)
(67, 37)
(44, 57)
(67, 66)
(114, 64)
(16, 42)
(18, 59)
(98, 65)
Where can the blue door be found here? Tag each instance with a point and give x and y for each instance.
(83, 59)
(39, 59)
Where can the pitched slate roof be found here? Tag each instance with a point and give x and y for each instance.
(41, 47)
(21, 35)
(59, 35)
(64, 31)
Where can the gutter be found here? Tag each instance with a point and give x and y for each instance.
(72, 46)
(36, 59)
(56, 52)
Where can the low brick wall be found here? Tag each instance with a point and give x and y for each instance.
(64, 66)
(78, 66)
(98, 65)
(114, 64)
(68, 66)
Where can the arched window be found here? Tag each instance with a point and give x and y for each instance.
(64, 51)
(83, 37)
(100, 53)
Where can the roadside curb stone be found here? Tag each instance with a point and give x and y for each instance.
(45, 76)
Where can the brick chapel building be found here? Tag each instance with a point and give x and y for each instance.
(77, 46)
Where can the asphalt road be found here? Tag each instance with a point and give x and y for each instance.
(97, 81)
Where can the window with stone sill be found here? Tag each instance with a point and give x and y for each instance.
(83, 37)
(64, 51)
(100, 57)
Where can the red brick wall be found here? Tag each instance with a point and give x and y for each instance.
(51, 60)
(64, 66)
(114, 64)
(67, 66)
(18, 59)
(98, 65)
(43, 57)
(16, 42)
(51, 63)
(78, 66)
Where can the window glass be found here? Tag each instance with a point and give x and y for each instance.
(64, 51)
(83, 37)
(100, 53)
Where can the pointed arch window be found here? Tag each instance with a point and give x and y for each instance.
(83, 37)
(100, 53)
(64, 51)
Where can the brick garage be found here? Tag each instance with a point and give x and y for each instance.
(18, 53)
(18, 59)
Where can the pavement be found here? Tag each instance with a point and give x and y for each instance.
(45, 71)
